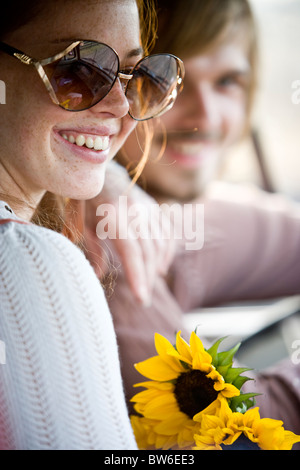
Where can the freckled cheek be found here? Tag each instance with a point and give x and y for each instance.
(36, 140)
(36, 115)
(38, 137)
(128, 125)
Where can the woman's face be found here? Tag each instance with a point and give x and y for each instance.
(34, 155)
(206, 119)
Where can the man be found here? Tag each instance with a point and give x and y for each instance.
(252, 239)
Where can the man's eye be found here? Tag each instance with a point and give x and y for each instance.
(235, 80)
(227, 81)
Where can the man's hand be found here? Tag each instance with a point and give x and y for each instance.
(141, 238)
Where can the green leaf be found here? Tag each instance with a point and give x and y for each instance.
(213, 351)
(223, 370)
(242, 408)
(243, 401)
(239, 381)
(234, 372)
(226, 357)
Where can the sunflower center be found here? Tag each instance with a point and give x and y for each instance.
(194, 392)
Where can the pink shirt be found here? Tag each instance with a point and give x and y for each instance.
(251, 251)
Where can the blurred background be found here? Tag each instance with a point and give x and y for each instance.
(276, 118)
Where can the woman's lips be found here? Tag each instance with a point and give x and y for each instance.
(89, 146)
(95, 142)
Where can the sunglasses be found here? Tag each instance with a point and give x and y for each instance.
(84, 73)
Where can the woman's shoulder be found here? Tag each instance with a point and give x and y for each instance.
(7, 216)
(21, 237)
(32, 254)
(12, 227)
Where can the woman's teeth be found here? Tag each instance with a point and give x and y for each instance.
(96, 143)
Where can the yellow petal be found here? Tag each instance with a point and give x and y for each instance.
(161, 407)
(162, 345)
(211, 409)
(272, 436)
(183, 349)
(172, 425)
(146, 395)
(211, 422)
(219, 435)
(178, 357)
(232, 437)
(156, 385)
(229, 391)
(224, 410)
(156, 369)
(168, 353)
(203, 442)
(186, 435)
(216, 376)
(196, 344)
(269, 423)
(289, 440)
(218, 379)
(200, 362)
(250, 417)
(164, 442)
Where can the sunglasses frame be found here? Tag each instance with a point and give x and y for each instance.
(39, 66)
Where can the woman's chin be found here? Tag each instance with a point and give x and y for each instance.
(87, 191)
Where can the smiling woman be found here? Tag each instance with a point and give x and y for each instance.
(61, 387)
(47, 162)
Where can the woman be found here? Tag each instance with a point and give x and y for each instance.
(60, 387)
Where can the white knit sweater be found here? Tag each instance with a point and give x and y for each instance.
(60, 386)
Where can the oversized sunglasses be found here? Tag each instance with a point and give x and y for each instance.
(84, 73)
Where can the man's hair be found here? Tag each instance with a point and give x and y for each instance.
(192, 27)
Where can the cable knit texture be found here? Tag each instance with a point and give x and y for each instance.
(60, 387)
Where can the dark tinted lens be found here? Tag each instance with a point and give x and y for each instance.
(153, 87)
(84, 76)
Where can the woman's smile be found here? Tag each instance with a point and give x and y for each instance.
(91, 144)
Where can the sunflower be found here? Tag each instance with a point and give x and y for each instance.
(221, 427)
(185, 380)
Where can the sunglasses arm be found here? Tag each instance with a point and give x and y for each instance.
(25, 59)
(13, 52)
(46, 82)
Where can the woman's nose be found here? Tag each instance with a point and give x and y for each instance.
(115, 102)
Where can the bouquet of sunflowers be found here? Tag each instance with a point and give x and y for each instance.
(193, 400)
